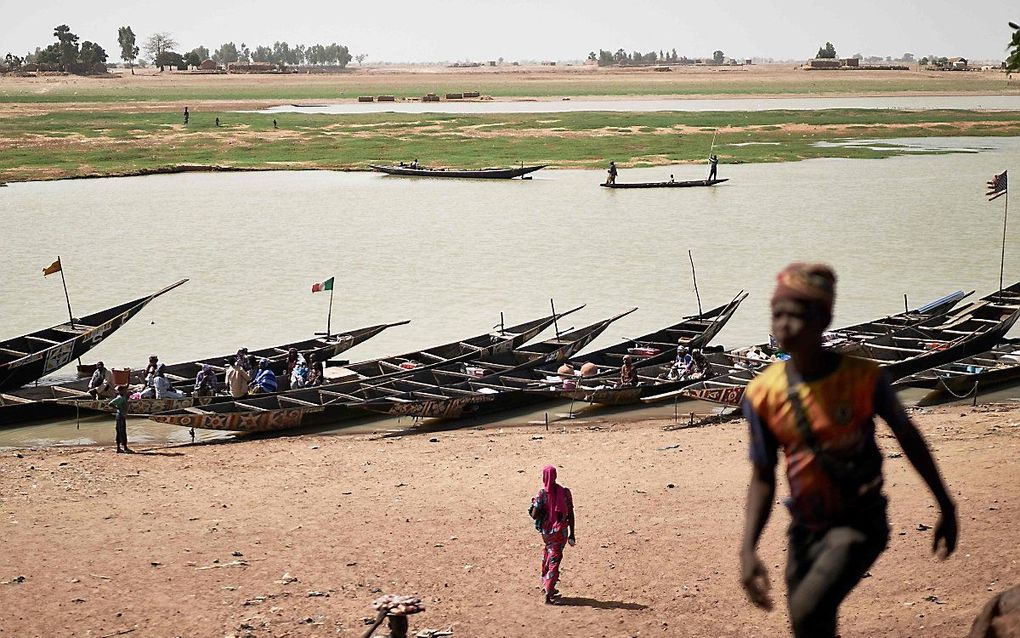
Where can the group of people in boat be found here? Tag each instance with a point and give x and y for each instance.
(243, 375)
(713, 170)
(689, 363)
(412, 164)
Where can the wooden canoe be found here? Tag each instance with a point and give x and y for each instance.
(67, 399)
(30, 357)
(481, 173)
(685, 184)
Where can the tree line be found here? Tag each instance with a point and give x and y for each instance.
(71, 55)
(636, 58)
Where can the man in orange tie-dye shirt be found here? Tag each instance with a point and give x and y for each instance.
(819, 408)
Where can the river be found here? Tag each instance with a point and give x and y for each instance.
(629, 105)
(452, 255)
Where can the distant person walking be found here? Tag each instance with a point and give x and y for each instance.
(713, 166)
(553, 512)
(187, 115)
(217, 122)
(274, 124)
(819, 408)
(119, 403)
(612, 173)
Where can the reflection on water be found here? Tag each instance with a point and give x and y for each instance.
(924, 102)
(452, 255)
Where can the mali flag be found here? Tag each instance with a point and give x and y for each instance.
(319, 287)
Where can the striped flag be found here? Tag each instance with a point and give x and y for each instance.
(996, 186)
(52, 268)
(323, 285)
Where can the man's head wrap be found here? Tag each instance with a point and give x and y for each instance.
(812, 283)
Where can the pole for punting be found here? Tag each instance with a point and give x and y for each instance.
(329, 314)
(694, 274)
(906, 308)
(1002, 258)
(556, 324)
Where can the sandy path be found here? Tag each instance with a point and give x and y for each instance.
(195, 541)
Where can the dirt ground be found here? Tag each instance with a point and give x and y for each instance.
(296, 536)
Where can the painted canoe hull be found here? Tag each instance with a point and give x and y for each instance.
(686, 184)
(484, 173)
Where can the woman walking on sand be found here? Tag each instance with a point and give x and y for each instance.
(819, 408)
(553, 511)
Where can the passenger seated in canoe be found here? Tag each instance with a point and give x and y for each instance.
(316, 374)
(683, 364)
(628, 375)
(150, 368)
(162, 385)
(101, 384)
(414, 163)
(206, 384)
(299, 375)
(237, 380)
(700, 362)
(671, 178)
(265, 379)
(243, 360)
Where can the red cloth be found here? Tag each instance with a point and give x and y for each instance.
(557, 498)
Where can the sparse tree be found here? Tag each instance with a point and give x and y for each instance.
(157, 44)
(192, 59)
(128, 50)
(923, 61)
(718, 57)
(908, 57)
(226, 54)
(360, 58)
(202, 53)
(827, 52)
(592, 57)
(67, 45)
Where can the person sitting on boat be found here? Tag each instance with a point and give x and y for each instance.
(713, 164)
(164, 390)
(316, 374)
(243, 360)
(150, 368)
(612, 173)
(237, 380)
(628, 375)
(299, 375)
(414, 163)
(671, 180)
(101, 384)
(683, 364)
(265, 379)
(700, 362)
(206, 384)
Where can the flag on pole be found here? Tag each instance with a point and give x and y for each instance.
(52, 268)
(996, 186)
(322, 285)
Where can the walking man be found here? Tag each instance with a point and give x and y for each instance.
(819, 408)
(120, 404)
(713, 166)
(187, 116)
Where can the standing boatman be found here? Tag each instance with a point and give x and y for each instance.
(713, 164)
(612, 173)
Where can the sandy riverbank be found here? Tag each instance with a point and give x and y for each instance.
(195, 541)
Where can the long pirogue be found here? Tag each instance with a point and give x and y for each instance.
(30, 357)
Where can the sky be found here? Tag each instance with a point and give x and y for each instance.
(529, 30)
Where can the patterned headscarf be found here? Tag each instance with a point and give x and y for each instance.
(813, 283)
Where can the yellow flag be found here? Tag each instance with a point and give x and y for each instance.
(52, 268)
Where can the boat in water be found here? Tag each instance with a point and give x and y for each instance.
(481, 173)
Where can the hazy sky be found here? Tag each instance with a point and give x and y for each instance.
(449, 30)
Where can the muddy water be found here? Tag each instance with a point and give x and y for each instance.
(452, 255)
